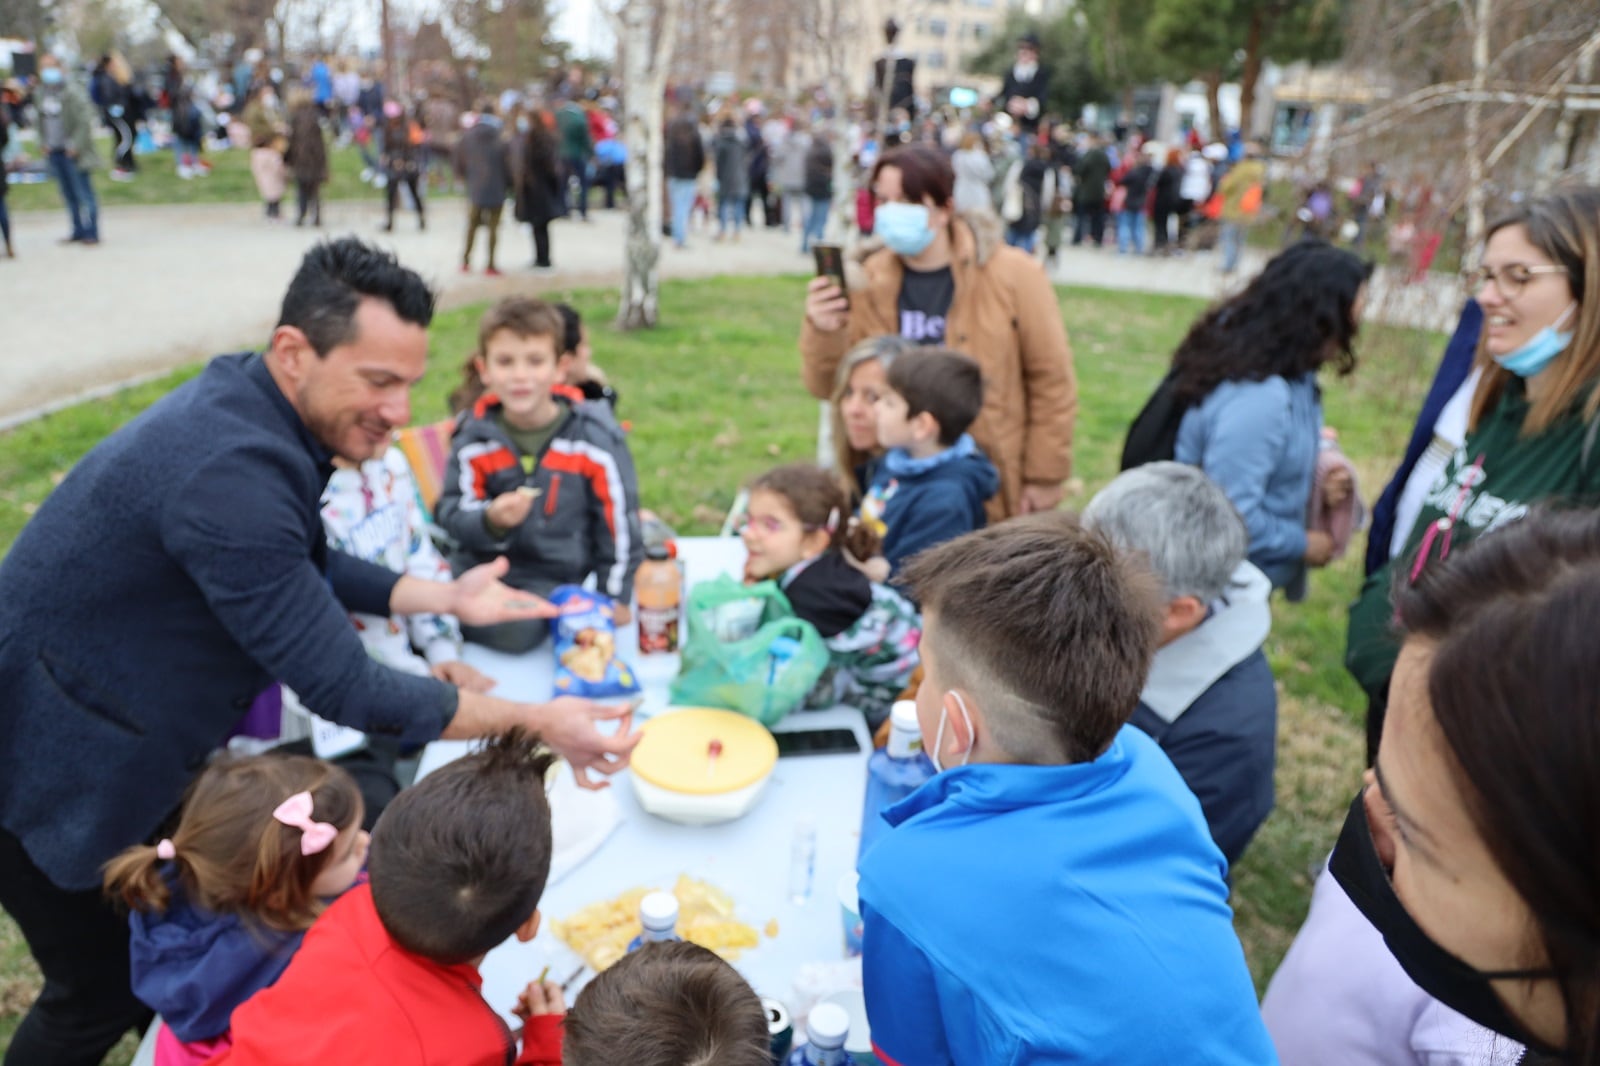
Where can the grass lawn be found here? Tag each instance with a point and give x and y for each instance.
(229, 182)
(714, 397)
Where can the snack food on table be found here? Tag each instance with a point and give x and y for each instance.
(585, 636)
(600, 933)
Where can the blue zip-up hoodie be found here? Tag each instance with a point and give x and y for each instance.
(194, 967)
(1258, 440)
(917, 503)
(1055, 914)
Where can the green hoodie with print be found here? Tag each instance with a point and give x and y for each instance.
(1494, 478)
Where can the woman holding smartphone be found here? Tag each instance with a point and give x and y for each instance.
(947, 278)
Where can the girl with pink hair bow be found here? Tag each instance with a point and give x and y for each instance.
(217, 909)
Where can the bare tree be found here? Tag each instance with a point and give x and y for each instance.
(28, 19)
(1505, 86)
(646, 32)
(239, 24)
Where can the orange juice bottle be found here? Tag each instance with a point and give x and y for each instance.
(659, 588)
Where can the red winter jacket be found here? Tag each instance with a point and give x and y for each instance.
(355, 997)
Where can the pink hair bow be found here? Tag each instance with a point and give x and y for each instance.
(296, 813)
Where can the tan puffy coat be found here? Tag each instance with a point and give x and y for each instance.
(1005, 315)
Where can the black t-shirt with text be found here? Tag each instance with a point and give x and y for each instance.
(925, 298)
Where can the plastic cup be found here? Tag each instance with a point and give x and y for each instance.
(850, 912)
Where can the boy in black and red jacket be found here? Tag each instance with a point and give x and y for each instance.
(546, 482)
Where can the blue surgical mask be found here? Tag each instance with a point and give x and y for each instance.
(51, 75)
(1541, 348)
(904, 228)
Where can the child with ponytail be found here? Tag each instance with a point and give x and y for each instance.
(217, 910)
(798, 532)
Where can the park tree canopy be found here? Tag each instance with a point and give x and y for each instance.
(1101, 48)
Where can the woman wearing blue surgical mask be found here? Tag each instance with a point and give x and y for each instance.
(1534, 429)
(947, 278)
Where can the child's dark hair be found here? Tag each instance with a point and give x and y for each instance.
(521, 315)
(572, 324)
(944, 383)
(459, 860)
(230, 855)
(1047, 620)
(820, 502)
(673, 1004)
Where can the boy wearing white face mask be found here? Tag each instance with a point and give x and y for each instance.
(1053, 894)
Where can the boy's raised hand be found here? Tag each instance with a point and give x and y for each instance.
(510, 509)
(540, 998)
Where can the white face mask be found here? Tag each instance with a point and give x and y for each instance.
(938, 739)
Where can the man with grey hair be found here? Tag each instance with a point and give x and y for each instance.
(1209, 701)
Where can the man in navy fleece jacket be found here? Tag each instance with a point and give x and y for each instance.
(178, 570)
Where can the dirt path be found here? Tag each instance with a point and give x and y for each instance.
(174, 284)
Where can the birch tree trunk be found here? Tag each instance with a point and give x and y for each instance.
(844, 179)
(645, 82)
(1477, 192)
(1560, 154)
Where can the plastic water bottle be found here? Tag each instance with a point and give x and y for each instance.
(826, 1030)
(894, 772)
(658, 914)
(802, 860)
(779, 652)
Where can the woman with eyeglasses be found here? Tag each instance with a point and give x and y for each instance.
(1533, 420)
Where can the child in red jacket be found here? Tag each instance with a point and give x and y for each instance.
(388, 976)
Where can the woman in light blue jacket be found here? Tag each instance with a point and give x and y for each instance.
(1248, 371)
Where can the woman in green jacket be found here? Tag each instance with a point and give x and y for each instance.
(1535, 416)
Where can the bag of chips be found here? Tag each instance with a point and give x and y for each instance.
(585, 636)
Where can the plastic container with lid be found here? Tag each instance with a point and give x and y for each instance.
(827, 1029)
(894, 772)
(701, 765)
(658, 914)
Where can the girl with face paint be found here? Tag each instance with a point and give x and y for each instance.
(1535, 415)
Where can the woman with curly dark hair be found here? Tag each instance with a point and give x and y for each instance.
(1248, 371)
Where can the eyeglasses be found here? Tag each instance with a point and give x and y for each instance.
(1510, 279)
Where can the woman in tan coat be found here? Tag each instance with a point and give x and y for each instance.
(949, 279)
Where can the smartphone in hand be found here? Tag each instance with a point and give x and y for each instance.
(830, 264)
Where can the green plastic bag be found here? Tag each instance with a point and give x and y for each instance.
(747, 652)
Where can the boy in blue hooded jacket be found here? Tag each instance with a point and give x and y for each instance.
(931, 484)
(1052, 895)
